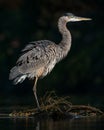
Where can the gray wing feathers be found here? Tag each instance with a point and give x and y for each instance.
(35, 55)
(16, 76)
(19, 79)
(31, 60)
(14, 73)
(28, 47)
(38, 57)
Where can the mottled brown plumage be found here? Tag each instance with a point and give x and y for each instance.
(39, 58)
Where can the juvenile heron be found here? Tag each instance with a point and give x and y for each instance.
(38, 58)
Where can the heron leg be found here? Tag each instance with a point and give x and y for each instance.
(35, 94)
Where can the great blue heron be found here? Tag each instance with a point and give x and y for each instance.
(39, 57)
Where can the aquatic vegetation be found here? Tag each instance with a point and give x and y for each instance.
(58, 107)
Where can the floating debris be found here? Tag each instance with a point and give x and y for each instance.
(58, 107)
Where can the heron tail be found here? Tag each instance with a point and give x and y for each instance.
(16, 76)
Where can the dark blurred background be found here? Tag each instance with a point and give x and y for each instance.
(80, 75)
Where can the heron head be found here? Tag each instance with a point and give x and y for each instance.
(72, 18)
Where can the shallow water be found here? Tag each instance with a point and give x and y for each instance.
(50, 124)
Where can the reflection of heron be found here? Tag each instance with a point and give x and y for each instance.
(40, 57)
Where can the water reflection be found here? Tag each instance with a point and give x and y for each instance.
(49, 124)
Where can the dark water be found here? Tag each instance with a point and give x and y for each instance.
(50, 124)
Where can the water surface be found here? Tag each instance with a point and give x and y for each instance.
(50, 124)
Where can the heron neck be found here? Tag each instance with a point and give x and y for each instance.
(65, 43)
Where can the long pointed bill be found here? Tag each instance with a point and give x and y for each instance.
(75, 18)
(81, 19)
